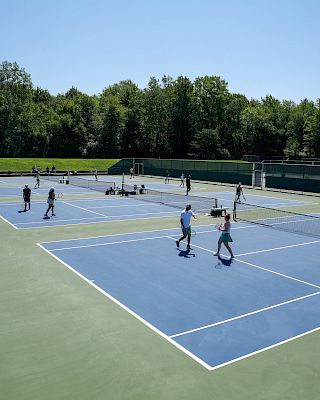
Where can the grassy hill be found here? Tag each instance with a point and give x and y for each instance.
(26, 164)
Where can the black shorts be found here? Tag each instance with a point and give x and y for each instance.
(27, 200)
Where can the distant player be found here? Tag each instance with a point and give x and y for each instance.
(181, 181)
(95, 173)
(26, 197)
(188, 184)
(239, 192)
(37, 185)
(131, 173)
(50, 201)
(225, 237)
(167, 178)
(185, 221)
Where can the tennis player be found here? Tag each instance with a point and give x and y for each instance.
(50, 201)
(188, 184)
(37, 185)
(182, 180)
(185, 221)
(26, 197)
(167, 178)
(95, 173)
(131, 173)
(225, 237)
(239, 192)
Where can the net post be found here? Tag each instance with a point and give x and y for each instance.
(234, 216)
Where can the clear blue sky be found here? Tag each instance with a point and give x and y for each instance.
(258, 47)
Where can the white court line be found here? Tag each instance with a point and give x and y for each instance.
(102, 216)
(110, 243)
(277, 248)
(126, 205)
(59, 220)
(310, 216)
(262, 268)
(8, 222)
(278, 273)
(129, 240)
(264, 349)
(202, 248)
(201, 328)
(168, 338)
(92, 222)
(146, 323)
(129, 233)
(85, 209)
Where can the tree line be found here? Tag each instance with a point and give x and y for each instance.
(170, 118)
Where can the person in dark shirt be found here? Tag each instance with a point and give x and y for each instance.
(26, 197)
(239, 192)
(167, 177)
(188, 184)
(50, 201)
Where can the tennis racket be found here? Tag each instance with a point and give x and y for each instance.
(60, 195)
(193, 232)
(217, 226)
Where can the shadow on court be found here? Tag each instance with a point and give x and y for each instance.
(186, 254)
(221, 262)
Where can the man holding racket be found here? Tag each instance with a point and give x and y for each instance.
(185, 221)
(26, 197)
(239, 192)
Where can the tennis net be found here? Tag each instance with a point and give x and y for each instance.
(288, 221)
(100, 186)
(199, 204)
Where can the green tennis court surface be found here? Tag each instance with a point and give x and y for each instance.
(62, 339)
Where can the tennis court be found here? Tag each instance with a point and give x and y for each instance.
(107, 291)
(212, 309)
(78, 206)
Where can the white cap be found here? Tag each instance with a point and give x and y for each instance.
(52, 188)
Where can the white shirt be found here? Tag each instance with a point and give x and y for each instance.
(186, 218)
(226, 227)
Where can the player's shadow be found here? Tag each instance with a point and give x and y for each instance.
(186, 254)
(223, 262)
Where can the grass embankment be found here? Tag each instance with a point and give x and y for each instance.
(61, 164)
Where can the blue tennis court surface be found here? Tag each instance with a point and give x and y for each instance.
(84, 211)
(216, 311)
(102, 209)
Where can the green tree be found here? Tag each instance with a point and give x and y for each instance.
(15, 98)
(206, 145)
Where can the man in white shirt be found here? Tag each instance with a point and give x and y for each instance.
(185, 221)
